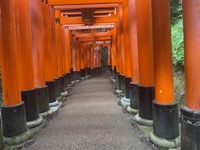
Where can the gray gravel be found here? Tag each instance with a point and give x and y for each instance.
(90, 120)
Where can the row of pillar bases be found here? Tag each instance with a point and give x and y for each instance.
(164, 119)
(37, 103)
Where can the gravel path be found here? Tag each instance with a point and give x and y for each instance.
(90, 120)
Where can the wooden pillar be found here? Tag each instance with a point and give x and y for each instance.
(59, 43)
(36, 22)
(75, 59)
(50, 57)
(53, 41)
(92, 59)
(68, 55)
(164, 108)
(12, 109)
(113, 47)
(109, 64)
(134, 56)
(127, 51)
(85, 60)
(89, 59)
(67, 50)
(82, 59)
(146, 68)
(122, 49)
(37, 42)
(59, 54)
(190, 113)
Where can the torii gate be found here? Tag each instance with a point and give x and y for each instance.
(35, 67)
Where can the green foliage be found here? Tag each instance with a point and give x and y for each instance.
(178, 44)
(176, 11)
(177, 33)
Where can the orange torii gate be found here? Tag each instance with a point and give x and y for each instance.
(141, 56)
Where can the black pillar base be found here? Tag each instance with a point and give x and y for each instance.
(115, 73)
(43, 99)
(146, 96)
(119, 81)
(86, 71)
(109, 68)
(51, 90)
(30, 99)
(83, 71)
(127, 90)
(123, 83)
(190, 129)
(71, 74)
(62, 84)
(100, 70)
(67, 78)
(14, 124)
(13, 120)
(117, 78)
(89, 71)
(166, 120)
(134, 96)
(57, 87)
(76, 75)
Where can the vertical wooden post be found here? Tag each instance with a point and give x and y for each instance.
(122, 49)
(12, 109)
(50, 61)
(146, 68)
(36, 19)
(164, 108)
(82, 59)
(89, 59)
(68, 55)
(92, 59)
(134, 57)
(126, 100)
(190, 113)
(85, 60)
(109, 57)
(114, 55)
(59, 53)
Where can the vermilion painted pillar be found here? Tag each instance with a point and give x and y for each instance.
(126, 100)
(134, 57)
(113, 54)
(12, 109)
(53, 41)
(119, 58)
(122, 48)
(146, 68)
(190, 113)
(37, 30)
(1, 137)
(50, 62)
(89, 59)
(92, 59)
(75, 59)
(78, 60)
(68, 55)
(82, 59)
(59, 53)
(165, 109)
(85, 60)
(53, 85)
(99, 60)
(109, 57)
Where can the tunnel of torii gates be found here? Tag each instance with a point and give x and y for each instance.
(47, 44)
